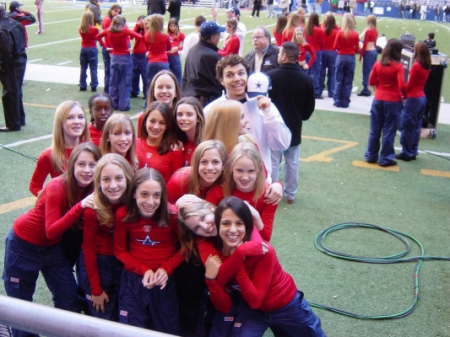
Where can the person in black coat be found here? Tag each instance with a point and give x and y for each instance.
(156, 7)
(174, 9)
(293, 94)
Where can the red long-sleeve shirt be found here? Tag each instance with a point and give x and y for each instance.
(189, 148)
(346, 45)
(389, 81)
(328, 40)
(89, 39)
(45, 223)
(303, 49)
(231, 46)
(371, 35)
(158, 48)
(106, 22)
(43, 168)
(96, 134)
(286, 35)
(266, 211)
(120, 41)
(278, 38)
(144, 245)
(176, 41)
(316, 39)
(418, 77)
(139, 44)
(166, 163)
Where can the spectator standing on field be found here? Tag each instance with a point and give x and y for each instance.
(174, 9)
(265, 56)
(193, 37)
(40, 11)
(156, 7)
(23, 17)
(94, 7)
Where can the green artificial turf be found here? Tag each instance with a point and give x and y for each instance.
(329, 193)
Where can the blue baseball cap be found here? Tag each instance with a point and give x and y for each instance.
(209, 28)
(235, 10)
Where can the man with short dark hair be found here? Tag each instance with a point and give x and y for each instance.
(265, 56)
(293, 94)
(200, 68)
(12, 70)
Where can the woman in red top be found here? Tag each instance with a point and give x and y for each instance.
(368, 52)
(277, 31)
(158, 44)
(100, 108)
(34, 244)
(99, 269)
(270, 293)
(329, 55)
(314, 36)
(176, 41)
(106, 22)
(304, 48)
(121, 63)
(190, 123)
(414, 107)
(156, 137)
(388, 77)
(146, 240)
(288, 31)
(69, 130)
(88, 52)
(347, 45)
(139, 57)
(231, 44)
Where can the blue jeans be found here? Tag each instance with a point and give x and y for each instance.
(88, 58)
(411, 124)
(345, 70)
(294, 319)
(328, 70)
(107, 68)
(384, 119)
(315, 72)
(139, 71)
(120, 83)
(153, 68)
(175, 66)
(24, 261)
(369, 59)
(291, 156)
(110, 271)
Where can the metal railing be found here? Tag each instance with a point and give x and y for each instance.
(51, 322)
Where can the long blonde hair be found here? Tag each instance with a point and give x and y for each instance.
(105, 214)
(58, 156)
(223, 123)
(154, 23)
(348, 24)
(87, 20)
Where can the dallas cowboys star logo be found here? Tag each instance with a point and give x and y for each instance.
(148, 242)
(258, 85)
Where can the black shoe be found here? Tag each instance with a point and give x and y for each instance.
(319, 97)
(82, 89)
(93, 89)
(389, 163)
(364, 94)
(413, 158)
(6, 129)
(133, 95)
(371, 161)
(403, 156)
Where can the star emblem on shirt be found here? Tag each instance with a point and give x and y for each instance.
(148, 242)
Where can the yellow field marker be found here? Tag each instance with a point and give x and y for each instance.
(323, 156)
(12, 206)
(364, 164)
(434, 173)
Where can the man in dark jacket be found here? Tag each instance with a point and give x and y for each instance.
(156, 7)
(264, 56)
(11, 74)
(22, 16)
(174, 9)
(94, 7)
(199, 78)
(293, 94)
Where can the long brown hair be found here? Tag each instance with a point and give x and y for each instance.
(313, 21)
(422, 55)
(391, 52)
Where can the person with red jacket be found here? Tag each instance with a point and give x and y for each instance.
(304, 48)
(368, 53)
(231, 44)
(388, 77)
(139, 57)
(414, 107)
(88, 52)
(329, 55)
(145, 241)
(121, 64)
(176, 40)
(347, 45)
(314, 36)
(34, 244)
(99, 270)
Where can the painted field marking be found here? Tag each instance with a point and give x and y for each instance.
(364, 164)
(434, 173)
(21, 203)
(323, 156)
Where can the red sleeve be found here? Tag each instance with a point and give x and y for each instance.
(178, 185)
(219, 297)
(373, 78)
(177, 161)
(401, 79)
(100, 38)
(313, 55)
(42, 170)
(337, 42)
(55, 222)
(356, 38)
(215, 194)
(133, 34)
(232, 47)
(173, 262)
(267, 217)
(90, 224)
(254, 289)
(181, 36)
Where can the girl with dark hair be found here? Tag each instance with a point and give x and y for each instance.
(388, 77)
(414, 107)
(33, 244)
(145, 240)
(176, 40)
(277, 31)
(314, 36)
(156, 136)
(100, 108)
(139, 61)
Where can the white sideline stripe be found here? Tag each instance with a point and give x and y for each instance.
(443, 154)
(55, 42)
(35, 60)
(31, 140)
(63, 63)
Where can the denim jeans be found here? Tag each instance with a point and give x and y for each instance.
(384, 120)
(411, 124)
(88, 58)
(120, 83)
(315, 72)
(369, 59)
(328, 70)
(139, 71)
(107, 68)
(153, 68)
(291, 156)
(175, 66)
(345, 70)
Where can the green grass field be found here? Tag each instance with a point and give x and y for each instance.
(333, 189)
